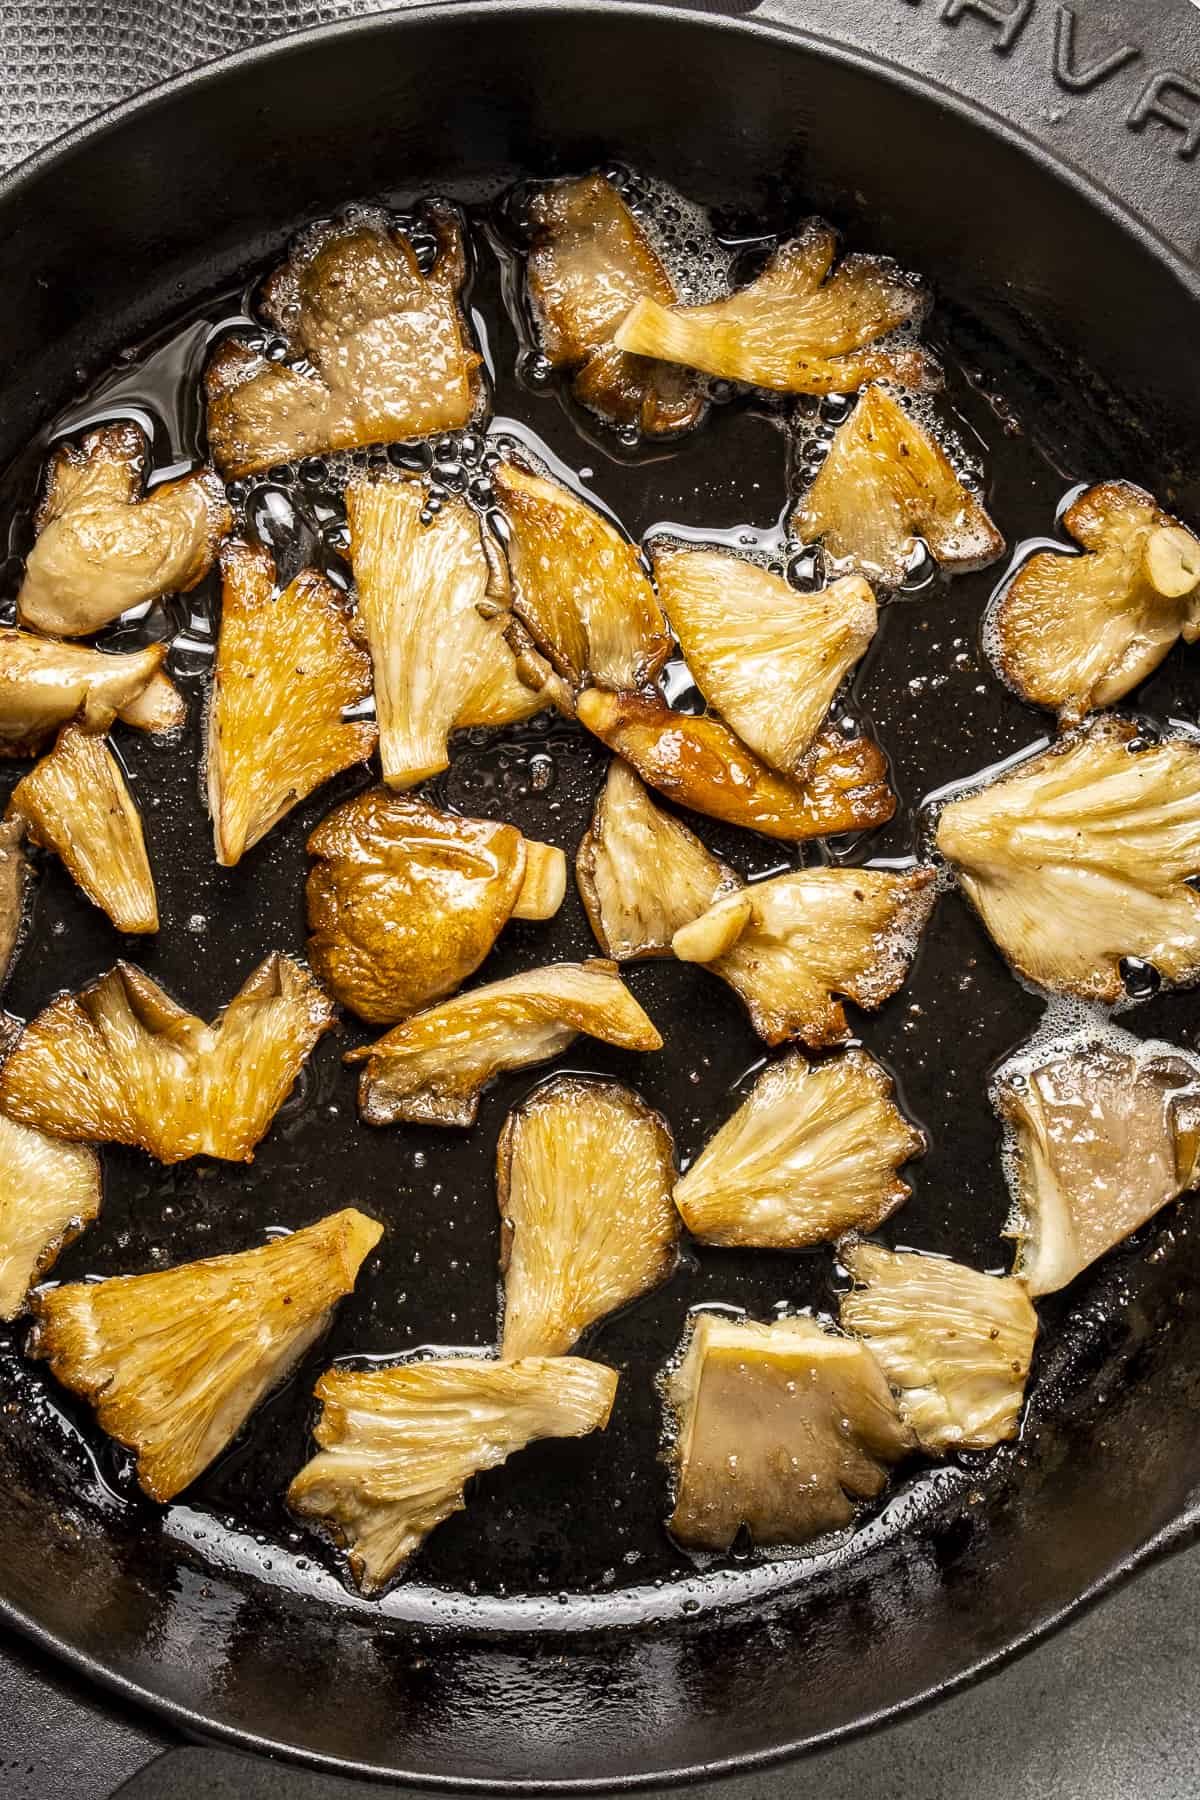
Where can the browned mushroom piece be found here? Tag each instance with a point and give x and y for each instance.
(76, 802)
(102, 547)
(954, 1344)
(375, 349)
(398, 1445)
(641, 874)
(287, 667)
(702, 764)
(1079, 632)
(122, 1062)
(589, 260)
(432, 1069)
(578, 585)
(1081, 856)
(584, 1173)
(815, 1150)
(768, 659)
(45, 684)
(405, 901)
(14, 892)
(790, 946)
(49, 1193)
(885, 485)
(797, 328)
(175, 1362)
(432, 605)
(778, 1430)
(1103, 1130)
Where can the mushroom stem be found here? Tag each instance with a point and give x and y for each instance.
(1172, 561)
(545, 884)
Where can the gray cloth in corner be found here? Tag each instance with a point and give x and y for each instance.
(62, 61)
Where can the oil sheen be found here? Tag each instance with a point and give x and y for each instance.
(568, 1534)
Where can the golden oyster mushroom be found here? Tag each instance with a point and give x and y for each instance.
(1078, 632)
(404, 901)
(103, 548)
(1081, 856)
(429, 606)
(578, 585)
(590, 259)
(49, 1193)
(1103, 1129)
(123, 1063)
(813, 1151)
(432, 1069)
(76, 802)
(788, 946)
(14, 890)
(175, 1362)
(375, 350)
(700, 763)
(640, 873)
(778, 1430)
(584, 1173)
(797, 328)
(398, 1445)
(287, 667)
(767, 658)
(45, 684)
(954, 1344)
(885, 484)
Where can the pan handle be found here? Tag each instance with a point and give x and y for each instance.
(1114, 92)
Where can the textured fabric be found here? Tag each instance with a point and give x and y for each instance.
(62, 61)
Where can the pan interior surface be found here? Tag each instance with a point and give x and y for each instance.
(551, 1634)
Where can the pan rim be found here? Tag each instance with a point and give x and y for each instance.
(56, 158)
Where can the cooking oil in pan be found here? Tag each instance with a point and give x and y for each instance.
(568, 1534)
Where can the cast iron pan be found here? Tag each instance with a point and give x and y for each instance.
(552, 1636)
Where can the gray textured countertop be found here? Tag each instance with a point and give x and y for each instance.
(1106, 1710)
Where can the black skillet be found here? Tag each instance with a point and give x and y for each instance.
(552, 1636)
